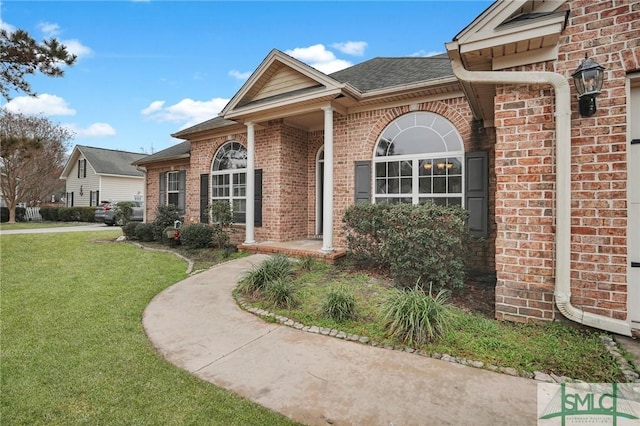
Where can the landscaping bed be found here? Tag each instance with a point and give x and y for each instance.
(554, 348)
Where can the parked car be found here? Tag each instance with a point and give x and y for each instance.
(106, 212)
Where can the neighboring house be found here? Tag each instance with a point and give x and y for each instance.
(96, 174)
(492, 125)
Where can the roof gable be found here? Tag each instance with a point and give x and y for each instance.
(279, 77)
(105, 161)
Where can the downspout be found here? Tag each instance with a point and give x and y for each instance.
(562, 291)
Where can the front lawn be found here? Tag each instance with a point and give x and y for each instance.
(73, 348)
(558, 348)
(35, 225)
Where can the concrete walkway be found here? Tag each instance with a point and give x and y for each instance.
(320, 380)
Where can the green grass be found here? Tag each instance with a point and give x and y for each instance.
(73, 348)
(552, 347)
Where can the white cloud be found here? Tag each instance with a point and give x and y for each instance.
(49, 29)
(76, 48)
(239, 75)
(7, 27)
(318, 57)
(153, 107)
(41, 104)
(95, 130)
(355, 48)
(424, 53)
(188, 111)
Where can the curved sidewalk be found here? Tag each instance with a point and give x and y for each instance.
(315, 379)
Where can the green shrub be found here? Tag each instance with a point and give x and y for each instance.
(222, 219)
(426, 244)
(49, 214)
(281, 293)
(144, 232)
(124, 212)
(339, 304)
(197, 235)
(414, 316)
(278, 267)
(129, 230)
(68, 214)
(365, 226)
(166, 216)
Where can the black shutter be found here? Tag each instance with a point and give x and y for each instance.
(204, 197)
(85, 168)
(71, 205)
(163, 190)
(79, 162)
(97, 198)
(363, 182)
(182, 184)
(91, 198)
(477, 192)
(257, 200)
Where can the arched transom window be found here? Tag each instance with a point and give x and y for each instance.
(419, 159)
(229, 178)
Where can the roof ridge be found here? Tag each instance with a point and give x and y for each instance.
(111, 149)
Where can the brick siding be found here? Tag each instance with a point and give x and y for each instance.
(609, 33)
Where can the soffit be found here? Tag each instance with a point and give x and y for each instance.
(508, 34)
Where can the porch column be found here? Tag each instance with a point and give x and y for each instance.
(327, 211)
(250, 188)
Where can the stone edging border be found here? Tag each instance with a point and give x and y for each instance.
(612, 346)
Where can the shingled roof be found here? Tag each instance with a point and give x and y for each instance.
(181, 150)
(383, 73)
(111, 162)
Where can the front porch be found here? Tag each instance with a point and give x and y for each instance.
(297, 248)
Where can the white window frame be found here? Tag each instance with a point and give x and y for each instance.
(438, 127)
(175, 191)
(233, 175)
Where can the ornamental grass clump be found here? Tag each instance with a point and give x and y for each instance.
(339, 304)
(281, 294)
(278, 267)
(416, 317)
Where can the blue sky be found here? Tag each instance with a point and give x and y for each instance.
(147, 69)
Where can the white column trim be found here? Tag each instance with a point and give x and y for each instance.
(327, 211)
(250, 192)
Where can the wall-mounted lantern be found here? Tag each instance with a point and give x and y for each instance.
(588, 79)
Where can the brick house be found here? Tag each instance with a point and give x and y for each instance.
(492, 125)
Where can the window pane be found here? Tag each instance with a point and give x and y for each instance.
(454, 201)
(456, 166)
(393, 168)
(439, 185)
(425, 185)
(406, 168)
(405, 186)
(426, 167)
(440, 201)
(381, 169)
(440, 166)
(393, 186)
(381, 186)
(172, 198)
(455, 185)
